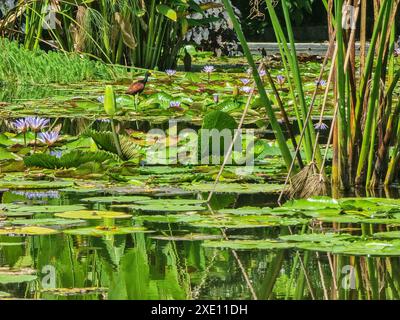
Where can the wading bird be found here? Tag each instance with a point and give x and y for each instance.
(137, 87)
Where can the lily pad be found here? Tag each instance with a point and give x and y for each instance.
(93, 215)
(15, 210)
(8, 275)
(248, 244)
(243, 211)
(30, 231)
(35, 184)
(103, 231)
(245, 188)
(48, 222)
(189, 237)
(171, 218)
(74, 291)
(159, 207)
(115, 199)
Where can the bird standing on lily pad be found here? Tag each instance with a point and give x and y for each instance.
(137, 87)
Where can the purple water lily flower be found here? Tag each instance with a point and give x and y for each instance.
(170, 72)
(36, 123)
(320, 126)
(245, 81)
(56, 153)
(208, 69)
(246, 89)
(321, 83)
(281, 80)
(397, 52)
(49, 138)
(175, 105)
(216, 98)
(21, 125)
(51, 194)
(262, 73)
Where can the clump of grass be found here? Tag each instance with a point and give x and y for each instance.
(21, 65)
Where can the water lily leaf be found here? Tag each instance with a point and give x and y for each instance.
(30, 231)
(162, 208)
(357, 248)
(317, 237)
(171, 202)
(93, 215)
(4, 294)
(171, 218)
(245, 222)
(104, 231)
(74, 291)
(189, 237)
(8, 275)
(248, 244)
(244, 188)
(388, 235)
(48, 222)
(115, 199)
(14, 209)
(35, 184)
(243, 211)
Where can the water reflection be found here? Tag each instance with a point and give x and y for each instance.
(138, 266)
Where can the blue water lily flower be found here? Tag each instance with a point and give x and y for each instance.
(21, 125)
(280, 79)
(246, 89)
(208, 69)
(49, 138)
(36, 123)
(320, 126)
(170, 72)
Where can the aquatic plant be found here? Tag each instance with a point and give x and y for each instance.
(151, 32)
(21, 65)
(49, 138)
(209, 70)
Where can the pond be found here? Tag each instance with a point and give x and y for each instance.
(76, 222)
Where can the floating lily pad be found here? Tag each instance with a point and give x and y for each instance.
(48, 222)
(15, 210)
(30, 231)
(35, 184)
(159, 207)
(4, 294)
(356, 248)
(8, 275)
(243, 211)
(388, 235)
(172, 218)
(245, 222)
(317, 237)
(74, 291)
(93, 215)
(189, 237)
(103, 231)
(235, 188)
(115, 199)
(171, 202)
(248, 244)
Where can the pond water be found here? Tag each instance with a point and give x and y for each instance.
(178, 255)
(75, 228)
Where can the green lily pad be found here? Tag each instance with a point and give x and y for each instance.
(244, 211)
(172, 202)
(8, 275)
(317, 237)
(74, 291)
(171, 218)
(388, 235)
(15, 210)
(30, 231)
(189, 237)
(35, 184)
(115, 199)
(159, 207)
(245, 188)
(100, 232)
(246, 222)
(48, 222)
(248, 244)
(93, 215)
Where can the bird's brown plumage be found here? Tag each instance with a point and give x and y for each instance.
(138, 86)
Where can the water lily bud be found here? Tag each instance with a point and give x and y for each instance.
(110, 105)
(235, 91)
